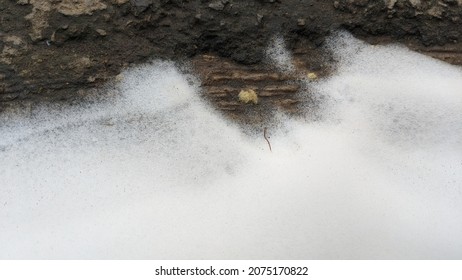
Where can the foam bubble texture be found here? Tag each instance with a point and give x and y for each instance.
(278, 55)
(154, 173)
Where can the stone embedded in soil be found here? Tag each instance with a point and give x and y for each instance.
(218, 5)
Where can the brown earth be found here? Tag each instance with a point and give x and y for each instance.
(53, 50)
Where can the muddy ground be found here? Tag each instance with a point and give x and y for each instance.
(55, 50)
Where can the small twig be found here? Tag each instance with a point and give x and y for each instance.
(266, 138)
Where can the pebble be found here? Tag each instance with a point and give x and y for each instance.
(217, 5)
(101, 32)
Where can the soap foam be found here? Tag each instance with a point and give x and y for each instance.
(154, 172)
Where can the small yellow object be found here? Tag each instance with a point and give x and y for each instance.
(119, 77)
(248, 95)
(312, 76)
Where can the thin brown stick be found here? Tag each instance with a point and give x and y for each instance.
(266, 138)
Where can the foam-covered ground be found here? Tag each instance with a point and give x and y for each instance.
(154, 172)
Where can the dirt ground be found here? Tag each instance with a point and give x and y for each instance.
(56, 50)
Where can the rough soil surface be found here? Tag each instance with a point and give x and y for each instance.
(278, 90)
(55, 49)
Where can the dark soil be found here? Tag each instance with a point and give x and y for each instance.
(55, 52)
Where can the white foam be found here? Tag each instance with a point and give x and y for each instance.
(278, 55)
(155, 173)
